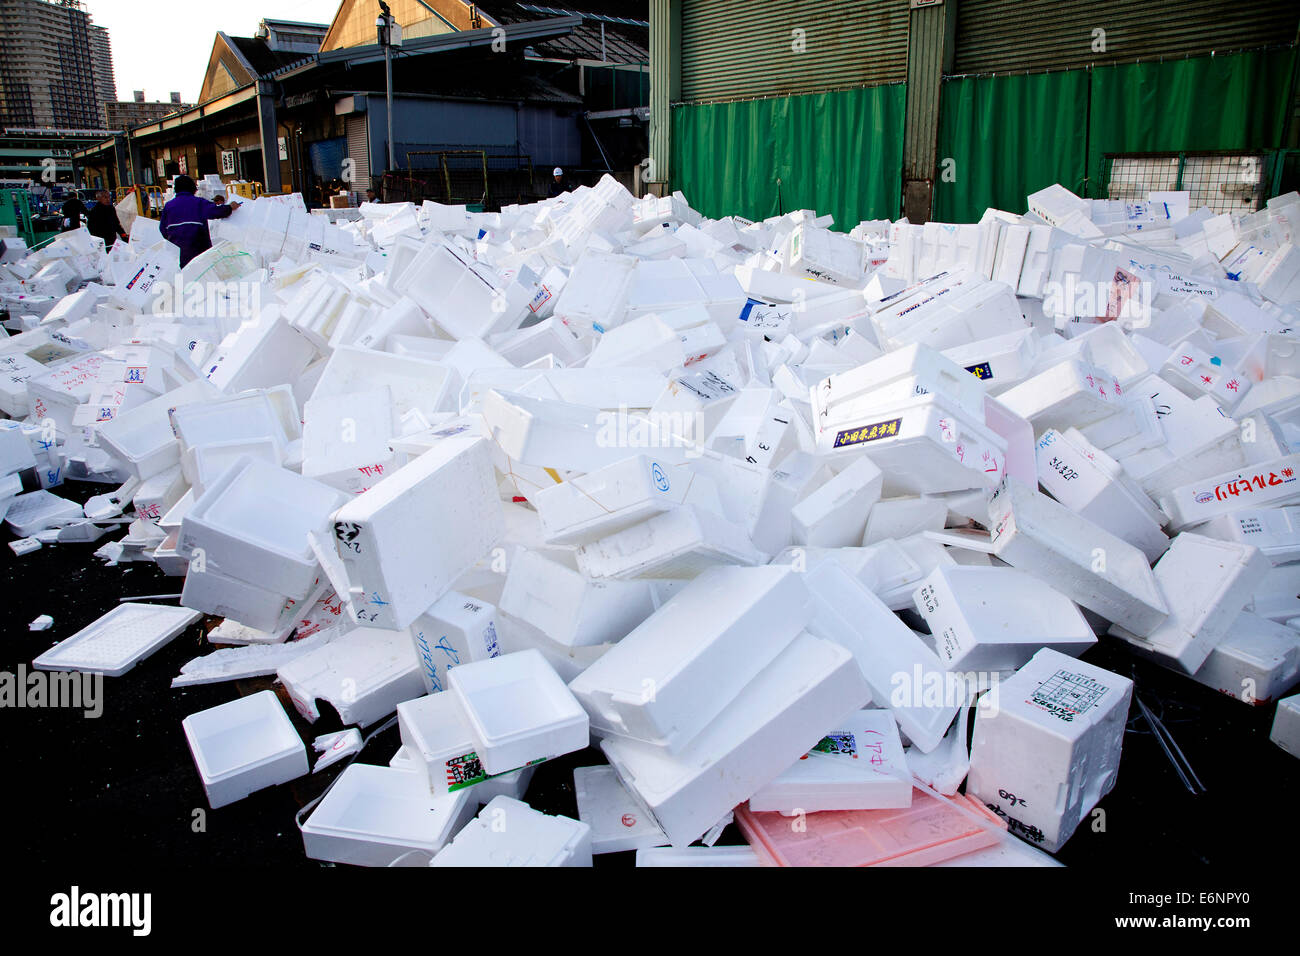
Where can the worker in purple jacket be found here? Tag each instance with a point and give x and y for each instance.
(185, 220)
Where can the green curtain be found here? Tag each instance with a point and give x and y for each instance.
(1009, 136)
(839, 153)
(1004, 137)
(1203, 103)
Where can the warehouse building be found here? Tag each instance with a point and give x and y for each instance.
(940, 108)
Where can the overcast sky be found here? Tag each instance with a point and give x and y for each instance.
(163, 47)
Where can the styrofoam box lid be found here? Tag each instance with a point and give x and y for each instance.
(698, 856)
(117, 641)
(618, 820)
(928, 831)
(510, 833)
(241, 735)
(387, 805)
(514, 697)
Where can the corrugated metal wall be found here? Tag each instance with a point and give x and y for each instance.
(359, 151)
(1013, 35)
(742, 49)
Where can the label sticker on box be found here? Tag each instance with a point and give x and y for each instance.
(1067, 695)
(856, 436)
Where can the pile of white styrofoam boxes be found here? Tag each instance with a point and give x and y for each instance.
(702, 488)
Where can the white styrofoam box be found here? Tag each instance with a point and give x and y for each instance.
(264, 353)
(681, 543)
(439, 742)
(510, 833)
(826, 256)
(1256, 662)
(1196, 373)
(345, 439)
(552, 434)
(950, 313)
(457, 629)
(858, 766)
(777, 717)
(1275, 531)
(157, 494)
(644, 340)
(668, 678)
(1084, 562)
(1205, 583)
(118, 640)
(997, 362)
(252, 523)
(1199, 440)
(208, 590)
(1286, 725)
(259, 416)
(835, 514)
(409, 537)
(1277, 594)
(1073, 393)
(414, 382)
(893, 379)
(570, 608)
(363, 676)
(243, 746)
(382, 816)
(519, 710)
(618, 820)
(595, 295)
(1093, 485)
(1047, 749)
(892, 518)
(896, 663)
(609, 499)
(1274, 482)
(37, 510)
(997, 618)
(671, 856)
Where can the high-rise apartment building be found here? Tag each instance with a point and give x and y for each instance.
(56, 69)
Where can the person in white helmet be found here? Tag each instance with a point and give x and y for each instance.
(557, 182)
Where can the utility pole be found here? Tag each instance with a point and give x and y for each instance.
(384, 24)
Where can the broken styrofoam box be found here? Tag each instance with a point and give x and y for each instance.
(902, 672)
(858, 766)
(119, 640)
(37, 510)
(570, 608)
(617, 819)
(681, 543)
(252, 525)
(929, 830)
(363, 675)
(1205, 583)
(381, 816)
(142, 438)
(664, 682)
(243, 746)
(519, 710)
(457, 629)
(1048, 748)
(1093, 485)
(1286, 725)
(777, 717)
(1272, 483)
(405, 541)
(1084, 562)
(508, 832)
(998, 618)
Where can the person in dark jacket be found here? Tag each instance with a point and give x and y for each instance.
(557, 186)
(185, 220)
(73, 209)
(102, 220)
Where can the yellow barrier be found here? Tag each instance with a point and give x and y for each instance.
(246, 190)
